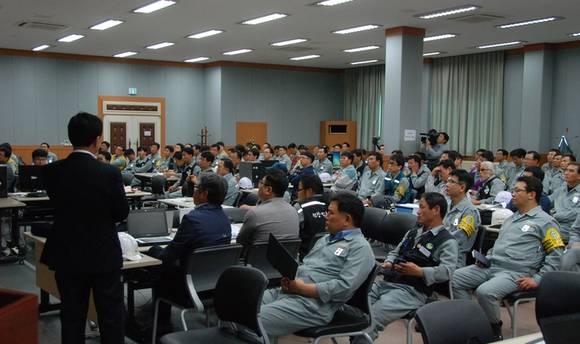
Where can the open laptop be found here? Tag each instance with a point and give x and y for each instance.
(280, 259)
(148, 226)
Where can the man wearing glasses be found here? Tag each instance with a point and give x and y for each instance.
(528, 246)
(566, 200)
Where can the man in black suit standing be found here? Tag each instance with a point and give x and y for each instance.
(83, 247)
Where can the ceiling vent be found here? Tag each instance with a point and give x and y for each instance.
(295, 49)
(476, 18)
(42, 26)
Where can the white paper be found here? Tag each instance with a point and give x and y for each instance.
(410, 135)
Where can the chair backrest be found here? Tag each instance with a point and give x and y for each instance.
(205, 265)
(256, 256)
(558, 306)
(249, 198)
(242, 286)
(395, 226)
(236, 215)
(371, 225)
(360, 298)
(477, 245)
(158, 185)
(453, 322)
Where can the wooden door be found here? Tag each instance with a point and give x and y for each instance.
(256, 132)
(118, 135)
(146, 134)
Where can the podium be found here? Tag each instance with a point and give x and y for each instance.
(332, 132)
(18, 317)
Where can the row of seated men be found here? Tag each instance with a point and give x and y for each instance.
(529, 245)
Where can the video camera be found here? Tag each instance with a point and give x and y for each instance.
(430, 135)
(376, 141)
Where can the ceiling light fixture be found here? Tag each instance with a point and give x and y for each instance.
(354, 50)
(197, 59)
(306, 57)
(237, 52)
(70, 38)
(356, 29)
(289, 42)
(155, 6)
(438, 37)
(497, 45)
(160, 45)
(264, 19)
(332, 2)
(205, 34)
(125, 54)
(529, 22)
(448, 12)
(434, 53)
(107, 24)
(41, 47)
(363, 62)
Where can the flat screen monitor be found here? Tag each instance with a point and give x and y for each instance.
(145, 223)
(30, 178)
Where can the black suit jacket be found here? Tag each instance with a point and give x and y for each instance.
(88, 199)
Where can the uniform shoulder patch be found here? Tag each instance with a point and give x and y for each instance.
(467, 224)
(552, 240)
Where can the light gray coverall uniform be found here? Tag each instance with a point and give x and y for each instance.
(371, 183)
(463, 221)
(513, 174)
(566, 204)
(491, 187)
(528, 245)
(571, 258)
(322, 166)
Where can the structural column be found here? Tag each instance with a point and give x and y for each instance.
(537, 97)
(403, 88)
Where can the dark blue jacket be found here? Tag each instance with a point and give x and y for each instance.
(206, 225)
(294, 178)
(544, 203)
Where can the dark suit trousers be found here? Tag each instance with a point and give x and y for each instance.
(74, 292)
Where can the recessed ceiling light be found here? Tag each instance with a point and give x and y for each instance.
(125, 54)
(197, 59)
(364, 62)
(265, 19)
(356, 29)
(434, 53)
(354, 50)
(107, 24)
(576, 34)
(438, 37)
(306, 57)
(289, 42)
(71, 38)
(205, 34)
(154, 6)
(160, 45)
(332, 2)
(496, 45)
(237, 52)
(529, 22)
(41, 47)
(448, 12)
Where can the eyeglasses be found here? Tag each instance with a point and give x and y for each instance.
(516, 190)
(484, 169)
(452, 181)
(262, 183)
(299, 190)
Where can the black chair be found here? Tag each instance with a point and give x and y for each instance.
(158, 185)
(396, 225)
(248, 198)
(236, 215)
(477, 245)
(453, 322)
(237, 300)
(255, 256)
(558, 307)
(512, 301)
(372, 228)
(352, 319)
(204, 266)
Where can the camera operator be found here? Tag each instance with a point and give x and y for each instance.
(435, 145)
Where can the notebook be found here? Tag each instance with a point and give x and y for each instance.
(148, 226)
(280, 259)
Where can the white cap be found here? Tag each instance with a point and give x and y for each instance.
(325, 177)
(503, 198)
(498, 216)
(129, 247)
(245, 183)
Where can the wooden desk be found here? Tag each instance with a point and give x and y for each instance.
(47, 284)
(530, 338)
(10, 203)
(181, 202)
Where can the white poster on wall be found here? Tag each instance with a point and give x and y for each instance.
(410, 135)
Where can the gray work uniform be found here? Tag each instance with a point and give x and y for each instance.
(435, 151)
(566, 204)
(371, 183)
(119, 161)
(463, 221)
(436, 185)
(155, 160)
(554, 181)
(143, 165)
(502, 170)
(513, 174)
(571, 258)
(528, 245)
(338, 266)
(233, 189)
(322, 166)
(345, 179)
(274, 216)
(420, 179)
(391, 301)
(489, 189)
(286, 159)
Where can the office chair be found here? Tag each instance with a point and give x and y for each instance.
(371, 227)
(511, 303)
(236, 215)
(255, 256)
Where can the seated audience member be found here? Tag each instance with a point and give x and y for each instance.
(474, 172)
(222, 152)
(204, 166)
(491, 185)
(554, 177)
(105, 146)
(166, 162)
(503, 165)
(104, 156)
(322, 164)
(189, 169)
(283, 157)
(545, 202)
(565, 200)
(5, 154)
(236, 157)
(337, 147)
(345, 179)
(345, 147)
(483, 155)
(311, 211)
(131, 159)
(517, 155)
(462, 220)
(372, 182)
(118, 159)
(225, 168)
(334, 269)
(571, 257)
(418, 174)
(358, 161)
(51, 156)
(427, 255)
(267, 154)
(39, 157)
(305, 168)
(437, 180)
(547, 166)
(456, 157)
(155, 155)
(273, 215)
(143, 164)
(252, 154)
(382, 149)
(206, 225)
(397, 188)
(532, 159)
(528, 246)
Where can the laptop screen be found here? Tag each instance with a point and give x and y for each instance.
(144, 223)
(30, 178)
